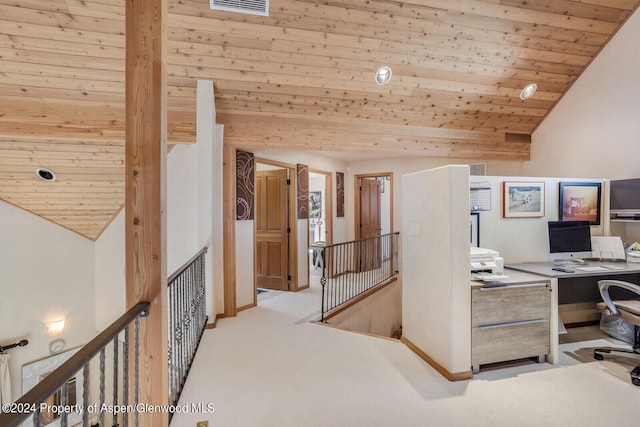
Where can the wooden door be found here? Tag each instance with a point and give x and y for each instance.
(370, 221)
(272, 249)
(369, 251)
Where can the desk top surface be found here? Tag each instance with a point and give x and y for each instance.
(589, 269)
(513, 277)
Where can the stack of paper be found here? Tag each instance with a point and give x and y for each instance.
(608, 248)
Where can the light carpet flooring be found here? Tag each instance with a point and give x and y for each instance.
(272, 366)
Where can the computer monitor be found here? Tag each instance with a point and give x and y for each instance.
(569, 240)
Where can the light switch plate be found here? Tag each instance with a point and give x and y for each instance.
(202, 424)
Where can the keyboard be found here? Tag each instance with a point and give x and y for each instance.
(593, 268)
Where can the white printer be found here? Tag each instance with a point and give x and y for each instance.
(486, 261)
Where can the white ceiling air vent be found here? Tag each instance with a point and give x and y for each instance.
(253, 7)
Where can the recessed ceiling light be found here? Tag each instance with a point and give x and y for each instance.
(383, 75)
(528, 91)
(46, 174)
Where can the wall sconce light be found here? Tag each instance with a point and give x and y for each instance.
(55, 327)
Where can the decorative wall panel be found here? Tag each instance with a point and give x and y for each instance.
(340, 194)
(303, 191)
(245, 188)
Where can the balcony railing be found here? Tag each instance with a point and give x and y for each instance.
(187, 320)
(353, 268)
(99, 383)
(69, 385)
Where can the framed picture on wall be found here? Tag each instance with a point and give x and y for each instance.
(315, 204)
(522, 199)
(579, 201)
(474, 229)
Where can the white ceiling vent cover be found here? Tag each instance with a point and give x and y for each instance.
(253, 7)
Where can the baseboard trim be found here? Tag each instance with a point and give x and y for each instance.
(457, 376)
(246, 307)
(215, 321)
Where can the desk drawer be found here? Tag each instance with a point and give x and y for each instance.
(514, 303)
(498, 343)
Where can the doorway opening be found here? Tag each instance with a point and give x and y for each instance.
(320, 218)
(274, 249)
(373, 205)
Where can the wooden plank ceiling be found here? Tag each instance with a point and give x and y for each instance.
(301, 78)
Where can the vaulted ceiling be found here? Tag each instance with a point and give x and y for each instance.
(300, 78)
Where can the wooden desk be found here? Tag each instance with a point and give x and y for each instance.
(546, 269)
(577, 288)
(580, 286)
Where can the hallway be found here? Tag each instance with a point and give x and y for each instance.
(271, 366)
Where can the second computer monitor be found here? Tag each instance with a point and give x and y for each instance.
(569, 240)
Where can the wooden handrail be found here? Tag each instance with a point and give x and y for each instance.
(360, 240)
(68, 369)
(186, 265)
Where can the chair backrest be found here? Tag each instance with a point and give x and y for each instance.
(604, 286)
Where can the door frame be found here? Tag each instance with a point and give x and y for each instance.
(292, 223)
(328, 200)
(356, 199)
(283, 173)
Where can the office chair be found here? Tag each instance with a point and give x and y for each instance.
(627, 310)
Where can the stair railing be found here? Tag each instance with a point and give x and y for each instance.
(187, 320)
(46, 399)
(352, 268)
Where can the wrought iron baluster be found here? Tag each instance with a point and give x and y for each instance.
(64, 401)
(102, 385)
(187, 320)
(125, 375)
(115, 378)
(354, 268)
(85, 394)
(136, 368)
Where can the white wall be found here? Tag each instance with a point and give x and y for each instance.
(110, 274)
(46, 272)
(245, 263)
(303, 252)
(379, 314)
(183, 238)
(217, 234)
(182, 205)
(436, 296)
(524, 239)
(593, 131)
(182, 235)
(399, 167)
(194, 195)
(194, 190)
(210, 197)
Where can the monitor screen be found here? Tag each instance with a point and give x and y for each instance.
(624, 196)
(569, 240)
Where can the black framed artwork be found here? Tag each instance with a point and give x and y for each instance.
(580, 201)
